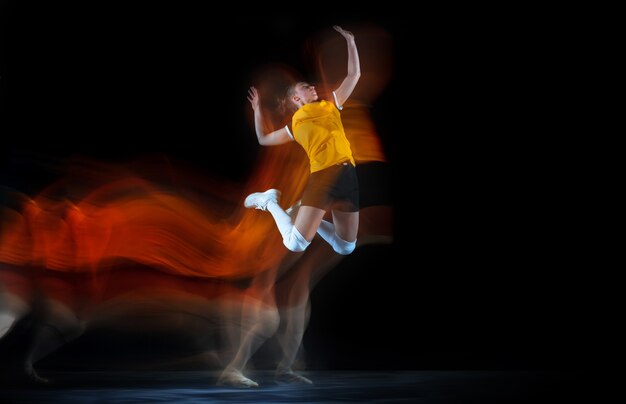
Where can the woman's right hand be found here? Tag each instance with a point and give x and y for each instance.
(253, 97)
(346, 34)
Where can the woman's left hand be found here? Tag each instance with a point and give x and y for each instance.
(253, 97)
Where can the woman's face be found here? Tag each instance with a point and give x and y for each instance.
(304, 92)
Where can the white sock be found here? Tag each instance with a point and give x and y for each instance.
(292, 239)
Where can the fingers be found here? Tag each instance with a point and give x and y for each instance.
(343, 32)
(253, 95)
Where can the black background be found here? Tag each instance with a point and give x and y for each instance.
(480, 275)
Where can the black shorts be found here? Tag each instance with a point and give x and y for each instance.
(374, 184)
(335, 187)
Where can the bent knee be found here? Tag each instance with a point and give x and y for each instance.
(269, 320)
(294, 241)
(343, 247)
(63, 319)
(260, 318)
(295, 247)
(14, 304)
(345, 251)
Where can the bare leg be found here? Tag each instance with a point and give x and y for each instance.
(259, 306)
(293, 291)
(58, 328)
(296, 237)
(346, 224)
(12, 309)
(341, 232)
(259, 321)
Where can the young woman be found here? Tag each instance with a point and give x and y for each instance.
(317, 127)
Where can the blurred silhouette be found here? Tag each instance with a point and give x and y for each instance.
(295, 279)
(162, 247)
(103, 242)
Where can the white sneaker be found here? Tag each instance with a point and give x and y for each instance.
(259, 200)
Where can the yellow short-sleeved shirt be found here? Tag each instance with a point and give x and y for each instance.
(318, 129)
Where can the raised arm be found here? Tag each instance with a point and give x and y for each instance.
(276, 137)
(354, 68)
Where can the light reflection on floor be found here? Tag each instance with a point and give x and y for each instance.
(360, 386)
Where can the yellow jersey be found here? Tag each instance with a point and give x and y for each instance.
(318, 129)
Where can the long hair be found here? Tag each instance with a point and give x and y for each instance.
(285, 105)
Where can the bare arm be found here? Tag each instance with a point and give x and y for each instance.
(276, 137)
(354, 68)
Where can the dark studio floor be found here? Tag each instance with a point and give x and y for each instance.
(329, 387)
